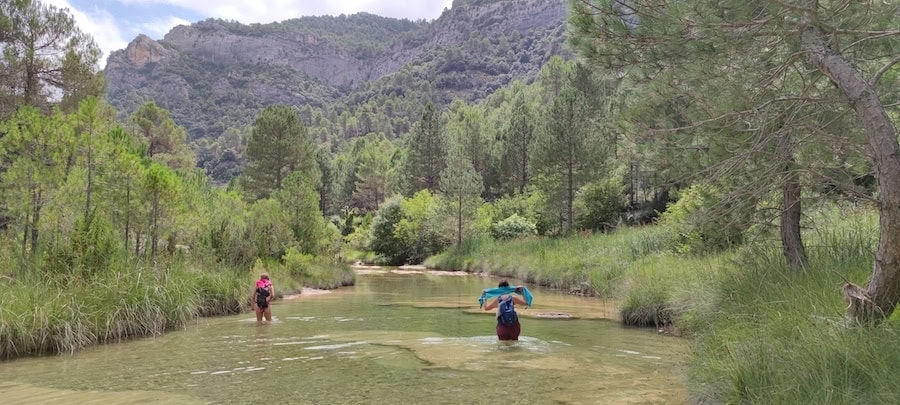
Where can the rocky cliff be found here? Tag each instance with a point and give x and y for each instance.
(214, 74)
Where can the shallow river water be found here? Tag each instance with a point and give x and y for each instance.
(391, 339)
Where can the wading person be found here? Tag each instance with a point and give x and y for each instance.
(502, 298)
(262, 297)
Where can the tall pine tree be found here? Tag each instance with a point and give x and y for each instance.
(426, 153)
(278, 146)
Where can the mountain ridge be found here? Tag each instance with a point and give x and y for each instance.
(214, 74)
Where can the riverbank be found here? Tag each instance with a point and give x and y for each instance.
(761, 333)
(43, 314)
(630, 266)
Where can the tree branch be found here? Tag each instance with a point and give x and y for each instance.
(883, 69)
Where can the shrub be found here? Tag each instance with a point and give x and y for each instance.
(598, 206)
(513, 227)
(92, 247)
(419, 230)
(382, 240)
(703, 222)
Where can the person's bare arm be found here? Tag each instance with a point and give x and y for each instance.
(253, 299)
(491, 304)
(271, 293)
(519, 300)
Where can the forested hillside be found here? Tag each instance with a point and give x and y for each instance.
(759, 137)
(350, 75)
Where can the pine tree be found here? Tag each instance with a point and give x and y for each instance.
(45, 56)
(518, 136)
(566, 151)
(462, 186)
(426, 153)
(278, 146)
(739, 62)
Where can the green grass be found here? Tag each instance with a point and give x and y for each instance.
(586, 264)
(760, 333)
(42, 314)
(630, 265)
(771, 335)
(48, 314)
(350, 255)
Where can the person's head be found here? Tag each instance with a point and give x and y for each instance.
(503, 283)
(264, 276)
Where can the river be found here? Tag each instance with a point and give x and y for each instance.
(393, 338)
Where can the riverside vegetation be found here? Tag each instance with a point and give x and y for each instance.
(760, 333)
(726, 168)
(109, 231)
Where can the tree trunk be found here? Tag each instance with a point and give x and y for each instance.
(791, 242)
(570, 198)
(90, 177)
(35, 220)
(154, 232)
(459, 210)
(524, 176)
(127, 212)
(880, 297)
(137, 243)
(25, 227)
(791, 208)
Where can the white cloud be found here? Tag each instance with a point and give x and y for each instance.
(158, 28)
(97, 23)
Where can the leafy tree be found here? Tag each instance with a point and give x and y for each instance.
(518, 136)
(36, 147)
(125, 160)
(46, 57)
(513, 227)
(419, 230)
(757, 46)
(268, 230)
(373, 171)
(467, 131)
(599, 205)
(462, 186)
(93, 118)
(566, 152)
(426, 156)
(278, 146)
(160, 186)
(300, 203)
(165, 140)
(383, 240)
(326, 187)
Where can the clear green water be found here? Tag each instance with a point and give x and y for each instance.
(390, 339)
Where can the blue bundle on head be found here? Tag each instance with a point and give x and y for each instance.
(498, 291)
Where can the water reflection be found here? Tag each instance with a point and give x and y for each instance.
(416, 337)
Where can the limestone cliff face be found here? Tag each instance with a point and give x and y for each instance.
(482, 18)
(303, 52)
(143, 50)
(217, 74)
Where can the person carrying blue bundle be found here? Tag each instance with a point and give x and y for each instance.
(502, 298)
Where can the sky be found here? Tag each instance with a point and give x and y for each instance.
(114, 23)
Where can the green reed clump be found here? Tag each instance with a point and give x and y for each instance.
(593, 265)
(659, 289)
(297, 270)
(633, 266)
(774, 335)
(350, 255)
(53, 313)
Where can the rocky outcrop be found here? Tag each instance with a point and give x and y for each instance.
(139, 52)
(302, 52)
(213, 75)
